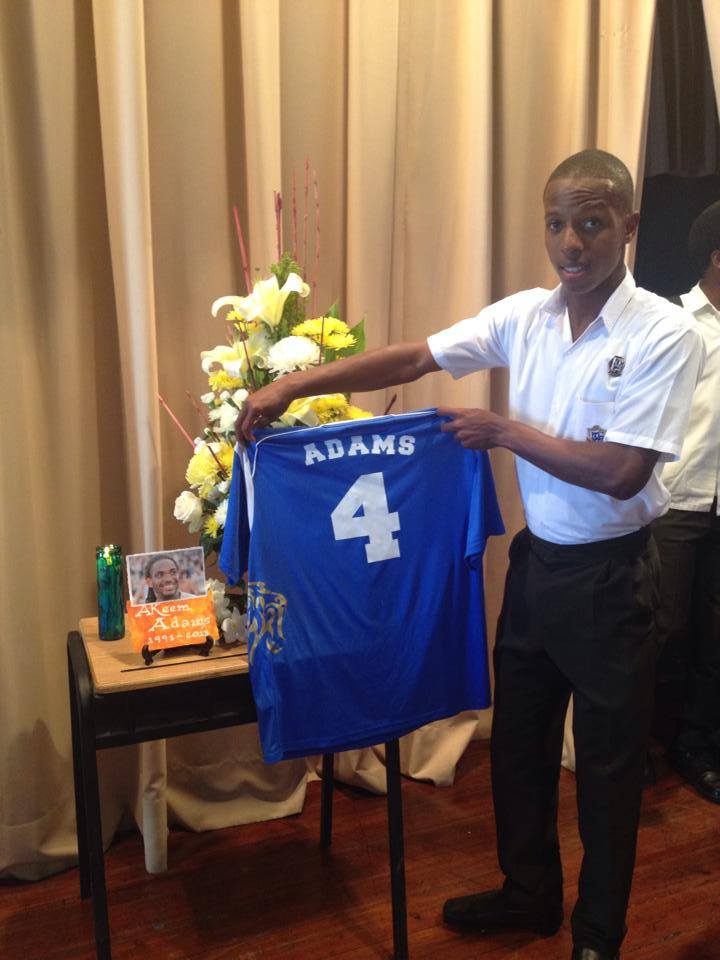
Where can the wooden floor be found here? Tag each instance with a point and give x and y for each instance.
(268, 891)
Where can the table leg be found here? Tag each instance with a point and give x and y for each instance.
(326, 800)
(397, 851)
(90, 800)
(80, 818)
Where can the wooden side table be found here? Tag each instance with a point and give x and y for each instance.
(115, 700)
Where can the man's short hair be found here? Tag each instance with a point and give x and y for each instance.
(599, 165)
(156, 558)
(704, 239)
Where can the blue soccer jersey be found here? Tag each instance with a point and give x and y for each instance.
(363, 543)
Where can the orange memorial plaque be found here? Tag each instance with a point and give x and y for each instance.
(164, 625)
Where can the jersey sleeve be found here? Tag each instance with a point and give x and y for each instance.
(484, 519)
(233, 559)
(653, 409)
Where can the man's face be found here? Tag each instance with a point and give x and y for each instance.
(586, 234)
(164, 580)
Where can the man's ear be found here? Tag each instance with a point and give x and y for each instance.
(715, 259)
(631, 225)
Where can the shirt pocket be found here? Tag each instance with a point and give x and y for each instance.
(590, 419)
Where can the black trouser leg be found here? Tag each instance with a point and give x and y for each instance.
(612, 678)
(701, 708)
(687, 697)
(530, 703)
(578, 618)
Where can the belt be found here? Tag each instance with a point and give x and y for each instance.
(629, 545)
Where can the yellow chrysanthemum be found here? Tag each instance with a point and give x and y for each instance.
(340, 341)
(211, 526)
(356, 413)
(203, 471)
(335, 333)
(225, 456)
(220, 380)
(330, 408)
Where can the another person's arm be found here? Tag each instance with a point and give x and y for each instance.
(374, 370)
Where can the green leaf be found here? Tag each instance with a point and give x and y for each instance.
(334, 311)
(358, 331)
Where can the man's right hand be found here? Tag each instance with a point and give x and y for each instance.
(261, 409)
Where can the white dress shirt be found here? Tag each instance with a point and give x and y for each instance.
(694, 480)
(628, 379)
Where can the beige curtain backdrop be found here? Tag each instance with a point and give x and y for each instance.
(127, 130)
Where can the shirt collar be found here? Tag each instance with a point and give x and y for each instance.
(554, 305)
(696, 300)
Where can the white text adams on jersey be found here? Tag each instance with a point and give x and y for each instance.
(358, 446)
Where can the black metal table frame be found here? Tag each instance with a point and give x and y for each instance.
(120, 718)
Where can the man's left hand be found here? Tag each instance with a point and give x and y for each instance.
(473, 428)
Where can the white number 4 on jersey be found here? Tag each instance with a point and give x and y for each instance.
(376, 522)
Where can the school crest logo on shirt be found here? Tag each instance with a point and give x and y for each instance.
(596, 434)
(265, 612)
(616, 365)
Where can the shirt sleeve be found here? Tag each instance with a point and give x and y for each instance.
(477, 343)
(233, 559)
(653, 407)
(485, 519)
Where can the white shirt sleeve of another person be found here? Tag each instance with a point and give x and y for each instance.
(652, 407)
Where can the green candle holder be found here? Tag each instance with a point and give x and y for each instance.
(111, 612)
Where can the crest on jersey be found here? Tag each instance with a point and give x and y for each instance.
(596, 434)
(616, 365)
(265, 614)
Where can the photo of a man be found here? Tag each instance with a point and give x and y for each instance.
(169, 575)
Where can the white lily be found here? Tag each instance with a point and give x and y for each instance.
(233, 358)
(267, 300)
(233, 627)
(220, 601)
(300, 411)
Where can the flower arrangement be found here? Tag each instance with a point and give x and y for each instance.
(268, 336)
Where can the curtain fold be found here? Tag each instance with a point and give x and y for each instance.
(127, 131)
(711, 11)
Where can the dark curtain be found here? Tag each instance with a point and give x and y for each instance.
(682, 167)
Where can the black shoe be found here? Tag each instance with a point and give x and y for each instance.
(489, 911)
(699, 769)
(589, 953)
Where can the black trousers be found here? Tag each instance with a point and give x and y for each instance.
(687, 708)
(575, 619)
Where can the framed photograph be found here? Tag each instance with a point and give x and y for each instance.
(166, 576)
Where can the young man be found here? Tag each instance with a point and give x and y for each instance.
(162, 576)
(601, 379)
(688, 538)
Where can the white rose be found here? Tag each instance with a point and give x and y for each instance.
(188, 509)
(292, 353)
(208, 398)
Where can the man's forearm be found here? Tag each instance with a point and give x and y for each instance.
(612, 468)
(399, 363)
(373, 370)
